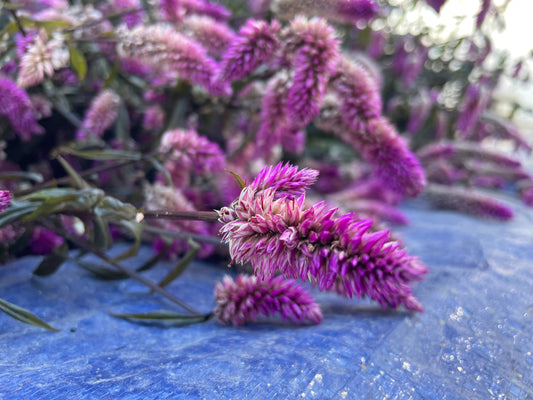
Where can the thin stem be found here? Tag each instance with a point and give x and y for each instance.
(181, 215)
(17, 21)
(132, 274)
(183, 235)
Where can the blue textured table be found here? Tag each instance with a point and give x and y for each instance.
(473, 342)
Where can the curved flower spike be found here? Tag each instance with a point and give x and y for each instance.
(242, 300)
(5, 199)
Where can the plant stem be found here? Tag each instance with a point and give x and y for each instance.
(182, 215)
(184, 235)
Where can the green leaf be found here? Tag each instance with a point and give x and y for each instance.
(18, 175)
(78, 62)
(182, 264)
(16, 210)
(108, 154)
(239, 180)
(76, 178)
(53, 261)
(166, 316)
(23, 315)
(101, 271)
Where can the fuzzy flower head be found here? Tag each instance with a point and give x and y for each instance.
(256, 43)
(5, 199)
(214, 36)
(278, 234)
(100, 116)
(42, 57)
(242, 300)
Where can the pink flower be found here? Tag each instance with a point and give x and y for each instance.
(134, 16)
(43, 241)
(242, 300)
(275, 232)
(214, 36)
(5, 199)
(100, 116)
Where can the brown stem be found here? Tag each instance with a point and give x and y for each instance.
(182, 215)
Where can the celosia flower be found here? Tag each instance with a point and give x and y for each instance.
(314, 61)
(100, 116)
(475, 100)
(467, 200)
(175, 10)
(43, 241)
(134, 16)
(275, 233)
(42, 58)
(213, 35)
(153, 118)
(171, 53)
(436, 4)
(358, 93)
(408, 60)
(286, 180)
(242, 300)
(378, 40)
(16, 106)
(190, 153)
(5, 199)
(491, 125)
(344, 11)
(256, 43)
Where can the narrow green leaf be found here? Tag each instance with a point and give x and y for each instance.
(102, 237)
(161, 168)
(16, 210)
(76, 178)
(239, 180)
(166, 316)
(18, 175)
(112, 75)
(78, 62)
(23, 315)
(101, 155)
(53, 261)
(101, 271)
(182, 264)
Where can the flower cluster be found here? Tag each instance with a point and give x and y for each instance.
(100, 116)
(269, 226)
(244, 299)
(5, 198)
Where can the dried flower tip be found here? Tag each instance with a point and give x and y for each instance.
(100, 116)
(5, 199)
(256, 43)
(242, 300)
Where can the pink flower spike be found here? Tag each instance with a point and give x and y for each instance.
(5, 199)
(242, 300)
(101, 115)
(255, 44)
(285, 179)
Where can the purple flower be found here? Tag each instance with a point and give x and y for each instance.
(214, 36)
(134, 16)
(16, 105)
(43, 241)
(408, 60)
(5, 199)
(171, 54)
(467, 200)
(278, 234)
(475, 101)
(153, 118)
(203, 7)
(355, 10)
(188, 153)
(436, 4)
(378, 40)
(100, 116)
(285, 179)
(314, 61)
(256, 43)
(485, 8)
(495, 126)
(242, 300)
(343, 11)
(358, 93)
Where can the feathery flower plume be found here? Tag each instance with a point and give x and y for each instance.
(214, 36)
(5, 199)
(475, 100)
(134, 16)
(43, 241)
(314, 61)
(42, 58)
(467, 200)
(100, 116)
(188, 153)
(242, 300)
(343, 11)
(408, 60)
(153, 118)
(287, 180)
(276, 233)
(16, 105)
(358, 93)
(256, 43)
(170, 52)
(497, 126)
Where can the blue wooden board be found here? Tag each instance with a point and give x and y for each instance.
(473, 342)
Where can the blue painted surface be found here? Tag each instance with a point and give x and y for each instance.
(473, 342)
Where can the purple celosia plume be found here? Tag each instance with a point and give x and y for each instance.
(475, 101)
(172, 54)
(153, 118)
(315, 59)
(16, 105)
(343, 11)
(189, 153)
(243, 300)
(100, 116)
(256, 43)
(213, 35)
(271, 229)
(5, 199)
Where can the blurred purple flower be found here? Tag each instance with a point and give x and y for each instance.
(15, 104)
(436, 4)
(242, 300)
(475, 101)
(408, 60)
(421, 107)
(256, 43)
(5, 199)
(491, 125)
(214, 36)
(133, 17)
(467, 200)
(343, 11)
(175, 10)
(100, 116)
(378, 40)
(153, 118)
(43, 241)
(171, 54)
(485, 8)
(277, 234)
(314, 61)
